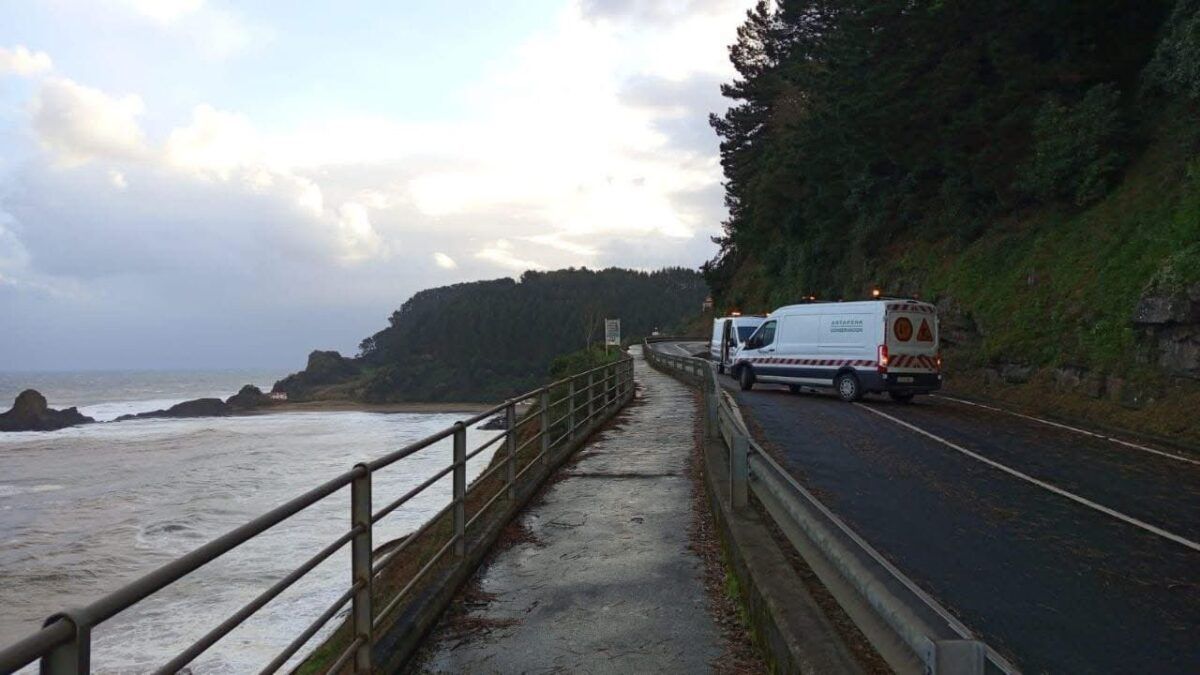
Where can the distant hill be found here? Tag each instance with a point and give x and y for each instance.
(487, 340)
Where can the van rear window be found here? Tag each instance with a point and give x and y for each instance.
(745, 332)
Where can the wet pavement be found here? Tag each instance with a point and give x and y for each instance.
(604, 581)
(1054, 584)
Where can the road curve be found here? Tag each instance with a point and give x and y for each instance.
(1066, 551)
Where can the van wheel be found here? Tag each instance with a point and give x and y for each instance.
(746, 378)
(901, 397)
(794, 388)
(848, 388)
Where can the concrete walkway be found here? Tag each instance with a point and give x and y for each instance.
(607, 583)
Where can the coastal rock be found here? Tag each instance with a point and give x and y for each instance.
(249, 397)
(201, 407)
(499, 422)
(30, 412)
(325, 368)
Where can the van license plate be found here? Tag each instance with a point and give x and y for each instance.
(904, 380)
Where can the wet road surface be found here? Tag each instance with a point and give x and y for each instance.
(606, 580)
(1067, 552)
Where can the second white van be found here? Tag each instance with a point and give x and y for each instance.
(729, 333)
(875, 346)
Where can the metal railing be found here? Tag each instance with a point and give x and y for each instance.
(585, 400)
(909, 629)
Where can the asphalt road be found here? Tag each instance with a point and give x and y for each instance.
(1068, 552)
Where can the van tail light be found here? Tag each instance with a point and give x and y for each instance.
(883, 358)
(937, 358)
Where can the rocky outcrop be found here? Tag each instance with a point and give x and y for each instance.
(30, 412)
(1168, 322)
(249, 397)
(201, 407)
(324, 369)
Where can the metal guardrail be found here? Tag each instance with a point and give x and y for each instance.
(909, 629)
(64, 643)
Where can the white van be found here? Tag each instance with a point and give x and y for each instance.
(876, 346)
(728, 335)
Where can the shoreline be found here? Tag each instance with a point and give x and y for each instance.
(354, 406)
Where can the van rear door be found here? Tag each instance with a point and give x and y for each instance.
(911, 337)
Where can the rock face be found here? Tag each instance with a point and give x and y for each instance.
(30, 412)
(249, 397)
(201, 407)
(323, 369)
(1168, 321)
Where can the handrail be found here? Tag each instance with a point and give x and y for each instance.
(64, 643)
(901, 610)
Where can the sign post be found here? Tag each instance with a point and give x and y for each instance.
(612, 333)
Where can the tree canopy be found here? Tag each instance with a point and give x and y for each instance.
(857, 123)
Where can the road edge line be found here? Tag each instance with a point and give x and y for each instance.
(1153, 529)
(1068, 427)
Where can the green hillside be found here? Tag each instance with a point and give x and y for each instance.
(1031, 167)
(488, 340)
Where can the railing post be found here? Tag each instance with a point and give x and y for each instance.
(571, 408)
(72, 658)
(545, 413)
(610, 381)
(591, 397)
(360, 563)
(460, 488)
(510, 414)
(738, 470)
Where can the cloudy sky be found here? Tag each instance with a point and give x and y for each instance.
(202, 183)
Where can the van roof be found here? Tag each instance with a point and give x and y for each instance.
(860, 305)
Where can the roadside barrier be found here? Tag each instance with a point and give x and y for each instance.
(563, 413)
(910, 630)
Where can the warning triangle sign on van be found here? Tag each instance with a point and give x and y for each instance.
(924, 334)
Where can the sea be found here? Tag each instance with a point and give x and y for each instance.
(87, 509)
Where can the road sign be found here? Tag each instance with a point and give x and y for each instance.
(612, 332)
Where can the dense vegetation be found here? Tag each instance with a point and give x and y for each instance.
(869, 143)
(1030, 166)
(487, 340)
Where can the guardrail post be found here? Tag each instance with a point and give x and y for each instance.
(959, 657)
(360, 563)
(571, 408)
(738, 470)
(460, 488)
(72, 658)
(510, 415)
(545, 413)
(711, 394)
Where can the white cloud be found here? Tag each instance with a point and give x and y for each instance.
(356, 235)
(500, 252)
(216, 142)
(163, 11)
(79, 123)
(21, 61)
(117, 179)
(215, 33)
(557, 241)
(137, 207)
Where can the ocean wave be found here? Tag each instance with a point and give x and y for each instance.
(11, 490)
